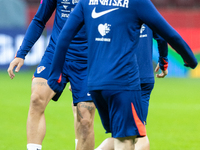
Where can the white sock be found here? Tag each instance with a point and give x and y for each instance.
(76, 141)
(34, 147)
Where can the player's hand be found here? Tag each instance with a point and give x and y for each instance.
(18, 63)
(162, 74)
(70, 88)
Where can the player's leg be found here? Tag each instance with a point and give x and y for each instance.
(75, 124)
(41, 94)
(146, 89)
(85, 108)
(74, 110)
(85, 125)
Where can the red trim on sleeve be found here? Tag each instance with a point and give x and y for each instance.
(138, 122)
(166, 64)
(60, 78)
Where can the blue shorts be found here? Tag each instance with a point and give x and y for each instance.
(146, 89)
(120, 112)
(74, 72)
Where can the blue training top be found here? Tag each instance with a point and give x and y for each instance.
(144, 54)
(113, 29)
(78, 47)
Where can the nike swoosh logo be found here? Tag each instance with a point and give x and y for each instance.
(99, 14)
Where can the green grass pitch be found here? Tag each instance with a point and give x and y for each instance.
(173, 121)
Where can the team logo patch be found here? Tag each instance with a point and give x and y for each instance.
(99, 14)
(40, 69)
(104, 29)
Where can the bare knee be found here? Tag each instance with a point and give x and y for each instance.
(85, 116)
(85, 127)
(37, 103)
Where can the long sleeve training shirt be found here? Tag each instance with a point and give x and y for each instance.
(113, 29)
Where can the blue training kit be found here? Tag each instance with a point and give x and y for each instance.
(112, 29)
(77, 51)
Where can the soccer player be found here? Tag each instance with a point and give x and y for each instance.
(112, 29)
(144, 59)
(75, 72)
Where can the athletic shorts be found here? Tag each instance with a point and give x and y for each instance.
(74, 72)
(146, 89)
(120, 112)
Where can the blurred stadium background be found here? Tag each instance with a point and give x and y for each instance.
(174, 107)
(15, 16)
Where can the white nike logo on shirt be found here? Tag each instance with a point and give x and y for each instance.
(99, 14)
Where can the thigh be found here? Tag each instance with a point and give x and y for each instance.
(42, 72)
(85, 110)
(41, 90)
(125, 113)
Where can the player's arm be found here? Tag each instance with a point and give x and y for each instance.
(33, 33)
(69, 30)
(36, 27)
(163, 53)
(148, 14)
